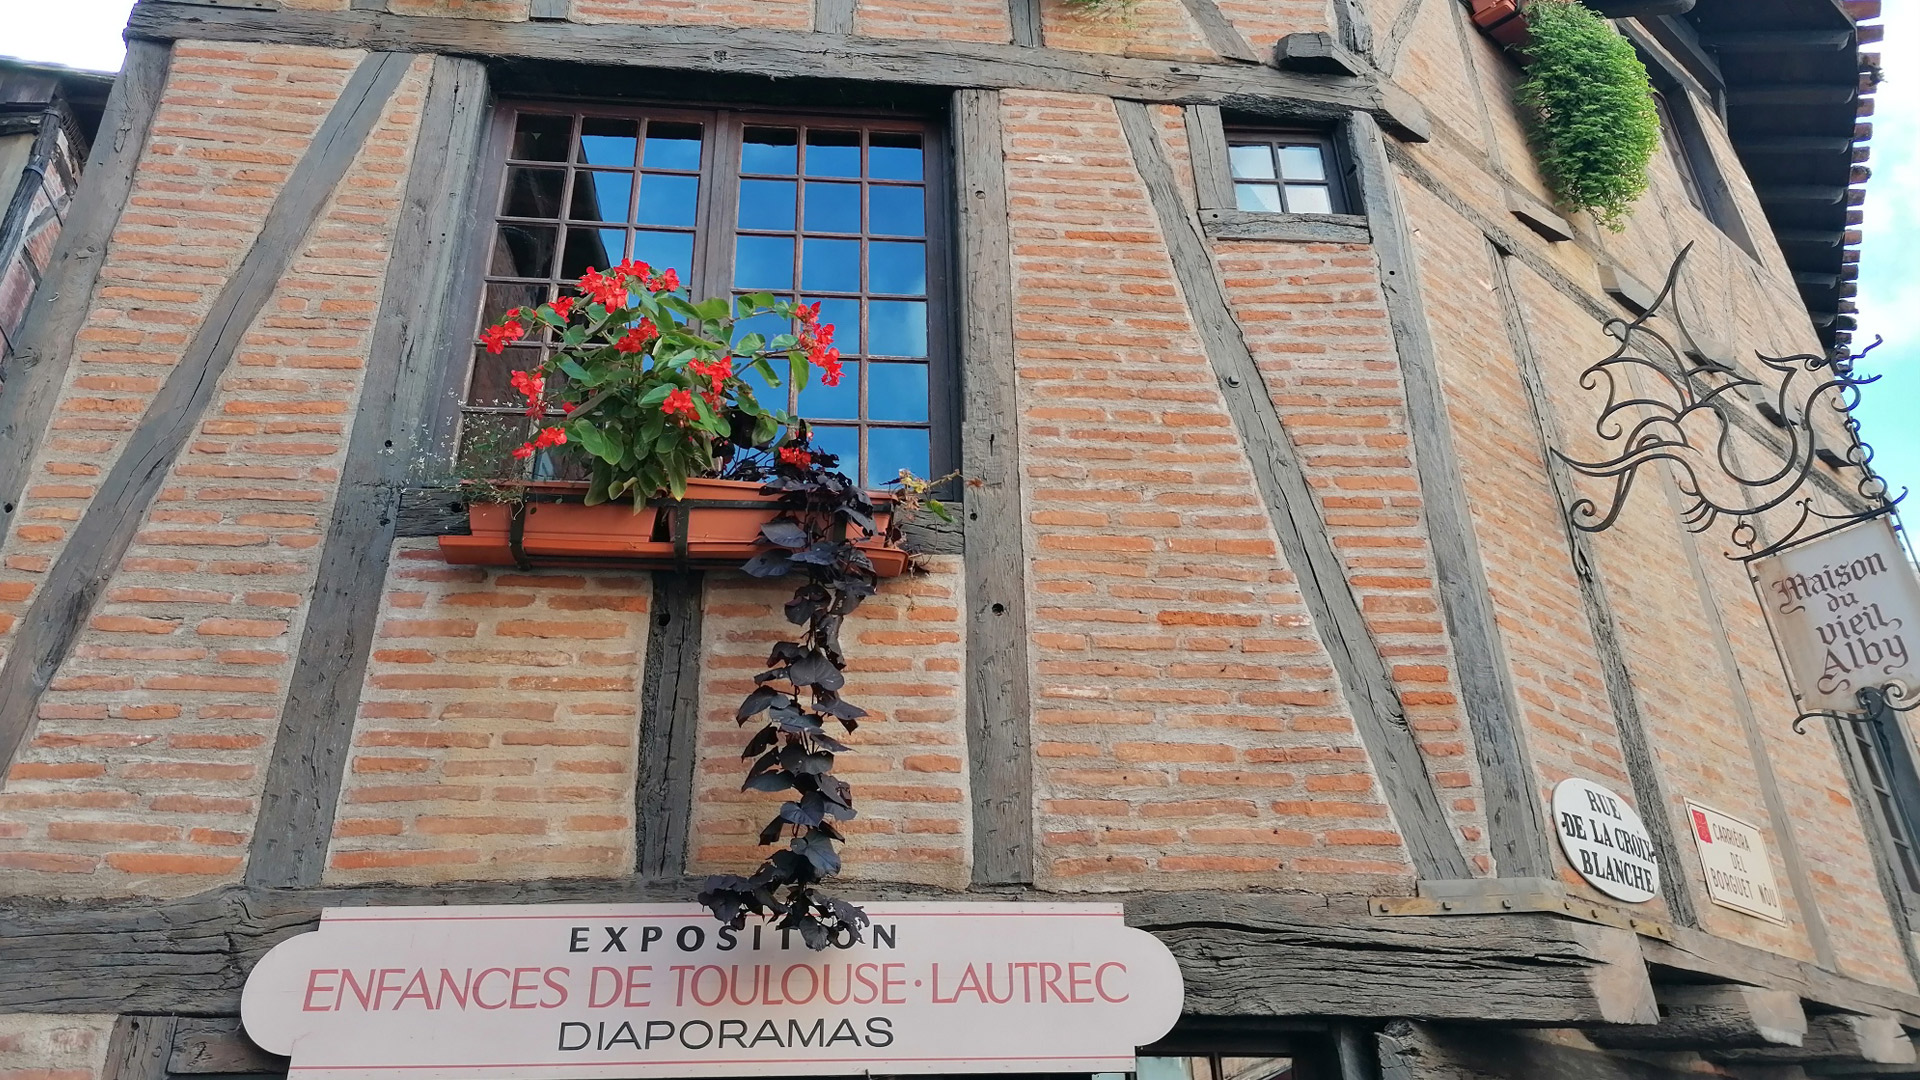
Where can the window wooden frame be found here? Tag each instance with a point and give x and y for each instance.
(1334, 174)
(715, 231)
(1220, 215)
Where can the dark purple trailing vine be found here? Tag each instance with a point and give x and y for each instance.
(796, 700)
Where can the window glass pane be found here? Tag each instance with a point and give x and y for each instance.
(822, 402)
(672, 146)
(1309, 199)
(896, 328)
(607, 141)
(533, 193)
(899, 268)
(492, 381)
(502, 298)
(1256, 1068)
(1303, 163)
(763, 262)
(833, 153)
(894, 156)
(768, 395)
(667, 200)
(592, 248)
(601, 196)
(897, 211)
(768, 326)
(891, 449)
(1253, 162)
(769, 150)
(897, 392)
(844, 315)
(766, 204)
(1258, 197)
(833, 207)
(663, 250)
(843, 443)
(1168, 1068)
(829, 265)
(524, 251)
(540, 137)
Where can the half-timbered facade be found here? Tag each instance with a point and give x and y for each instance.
(1258, 344)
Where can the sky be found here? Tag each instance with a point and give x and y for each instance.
(86, 33)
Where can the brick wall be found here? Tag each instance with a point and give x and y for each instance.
(37, 1047)
(906, 651)
(771, 14)
(498, 726)
(949, 20)
(143, 773)
(1157, 28)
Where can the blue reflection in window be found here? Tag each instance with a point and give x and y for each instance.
(894, 156)
(895, 267)
(833, 153)
(770, 150)
(607, 141)
(844, 314)
(897, 392)
(891, 449)
(662, 250)
(766, 204)
(833, 207)
(668, 200)
(672, 146)
(601, 196)
(830, 265)
(763, 262)
(770, 396)
(896, 328)
(822, 402)
(842, 442)
(768, 326)
(896, 211)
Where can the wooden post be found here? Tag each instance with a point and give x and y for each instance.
(1293, 508)
(302, 787)
(669, 725)
(999, 693)
(64, 296)
(1516, 830)
(1222, 36)
(139, 1048)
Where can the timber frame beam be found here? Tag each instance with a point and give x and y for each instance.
(790, 54)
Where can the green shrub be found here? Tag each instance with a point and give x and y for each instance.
(1589, 108)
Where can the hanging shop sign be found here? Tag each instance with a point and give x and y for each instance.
(557, 992)
(1843, 607)
(1734, 856)
(1606, 841)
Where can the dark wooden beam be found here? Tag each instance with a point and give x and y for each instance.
(1623, 697)
(999, 695)
(1516, 832)
(309, 759)
(1835, 1037)
(1309, 228)
(789, 54)
(669, 725)
(1240, 955)
(1355, 26)
(1317, 52)
(1696, 1017)
(1028, 30)
(68, 594)
(202, 1046)
(31, 379)
(1294, 509)
(833, 16)
(1207, 151)
(1792, 94)
(1795, 145)
(1415, 1051)
(1390, 50)
(139, 1048)
(1220, 34)
(1769, 41)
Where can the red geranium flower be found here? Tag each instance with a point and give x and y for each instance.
(793, 455)
(680, 404)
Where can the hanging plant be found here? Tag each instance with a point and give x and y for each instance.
(1589, 110)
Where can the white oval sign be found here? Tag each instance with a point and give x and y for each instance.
(1606, 841)
(557, 992)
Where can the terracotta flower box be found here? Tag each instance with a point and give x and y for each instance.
(716, 526)
(1502, 20)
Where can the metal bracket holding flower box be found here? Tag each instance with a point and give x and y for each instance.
(720, 523)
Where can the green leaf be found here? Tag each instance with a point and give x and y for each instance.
(574, 337)
(766, 370)
(760, 301)
(547, 315)
(655, 396)
(782, 343)
(750, 344)
(797, 368)
(597, 488)
(712, 309)
(579, 374)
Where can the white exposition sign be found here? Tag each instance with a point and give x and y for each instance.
(1841, 606)
(1606, 841)
(663, 990)
(1734, 855)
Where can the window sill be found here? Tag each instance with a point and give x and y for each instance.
(1252, 225)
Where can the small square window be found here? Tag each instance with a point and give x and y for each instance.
(1290, 173)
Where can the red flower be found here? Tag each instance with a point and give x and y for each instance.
(529, 384)
(608, 290)
(636, 339)
(553, 436)
(633, 270)
(808, 314)
(716, 371)
(680, 404)
(523, 451)
(829, 362)
(562, 306)
(665, 281)
(496, 337)
(793, 455)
